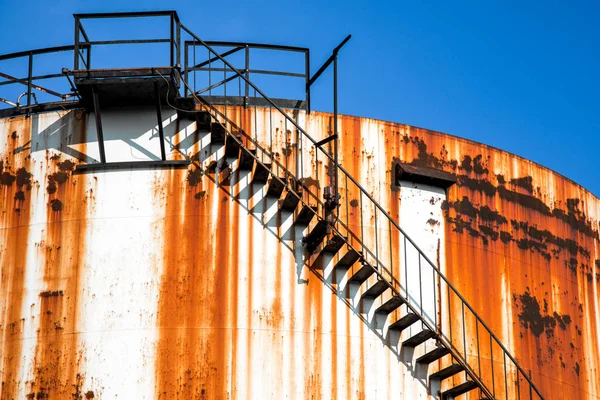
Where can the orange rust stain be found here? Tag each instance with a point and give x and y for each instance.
(198, 295)
(58, 355)
(14, 230)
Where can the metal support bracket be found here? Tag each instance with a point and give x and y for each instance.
(326, 140)
(98, 119)
(161, 133)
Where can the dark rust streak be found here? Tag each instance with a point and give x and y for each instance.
(58, 352)
(13, 258)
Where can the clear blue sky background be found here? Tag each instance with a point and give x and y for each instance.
(521, 76)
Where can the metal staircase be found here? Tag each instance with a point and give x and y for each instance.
(364, 254)
(366, 265)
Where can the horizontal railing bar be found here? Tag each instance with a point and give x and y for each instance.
(132, 41)
(215, 85)
(24, 82)
(34, 78)
(207, 62)
(126, 14)
(37, 52)
(253, 71)
(264, 46)
(10, 103)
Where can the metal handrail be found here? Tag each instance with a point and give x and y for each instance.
(364, 192)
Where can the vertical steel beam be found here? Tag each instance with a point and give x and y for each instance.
(98, 118)
(161, 133)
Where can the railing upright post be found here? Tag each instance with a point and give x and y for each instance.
(247, 69)
(76, 49)
(178, 41)
(185, 68)
(335, 141)
(29, 80)
(307, 70)
(172, 39)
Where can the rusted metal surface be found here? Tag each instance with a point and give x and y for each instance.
(159, 284)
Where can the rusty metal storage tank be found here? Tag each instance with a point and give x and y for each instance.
(169, 239)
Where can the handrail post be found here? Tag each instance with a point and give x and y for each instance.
(76, 49)
(336, 195)
(247, 68)
(29, 80)
(307, 71)
(172, 41)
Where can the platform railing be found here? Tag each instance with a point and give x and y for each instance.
(32, 84)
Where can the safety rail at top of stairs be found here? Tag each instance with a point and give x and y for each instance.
(385, 245)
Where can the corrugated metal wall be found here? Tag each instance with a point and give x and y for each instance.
(158, 284)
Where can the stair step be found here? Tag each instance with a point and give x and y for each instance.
(458, 390)
(433, 355)
(276, 187)
(305, 215)
(186, 108)
(334, 244)
(347, 260)
(374, 286)
(246, 160)
(217, 133)
(232, 147)
(447, 372)
(261, 173)
(360, 273)
(404, 322)
(315, 236)
(419, 338)
(289, 202)
(389, 305)
(203, 120)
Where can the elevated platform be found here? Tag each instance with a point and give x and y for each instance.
(126, 87)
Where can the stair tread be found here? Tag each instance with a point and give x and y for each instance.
(305, 215)
(447, 372)
(347, 260)
(246, 159)
(389, 305)
(315, 236)
(232, 147)
(334, 244)
(404, 322)
(362, 273)
(217, 133)
(419, 338)
(290, 201)
(458, 390)
(275, 187)
(433, 355)
(261, 172)
(376, 289)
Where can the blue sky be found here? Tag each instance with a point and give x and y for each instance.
(521, 76)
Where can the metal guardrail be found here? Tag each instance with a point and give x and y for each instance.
(30, 80)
